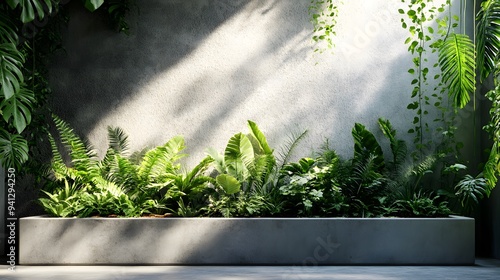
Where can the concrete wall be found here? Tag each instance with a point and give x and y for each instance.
(202, 68)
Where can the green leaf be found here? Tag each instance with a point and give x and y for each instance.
(457, 63)
(11, 63)
(239, 156)
(229, 184)
(93, 5)
(13, 149)
(365, 140)
(13, 3)
(28, 8)
(18, 107)
(260, 137)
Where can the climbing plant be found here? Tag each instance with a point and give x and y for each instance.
(488, 51)
(433, 31)
(323, 15)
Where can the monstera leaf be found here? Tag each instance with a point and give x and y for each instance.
(11, 63)
(28, 8)
(18, 107)
(13, 149)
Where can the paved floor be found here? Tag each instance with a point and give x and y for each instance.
(484, 269)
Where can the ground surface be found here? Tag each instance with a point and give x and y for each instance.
(484, 269)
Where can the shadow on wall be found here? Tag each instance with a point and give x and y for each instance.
(202, 68)
(112, 79)
(102, 68)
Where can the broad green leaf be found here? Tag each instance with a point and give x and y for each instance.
(13, 149)
(260, 137)
(239, 156)
(13, 3)
(93, 5)
(229, 184)
(11, 63)
(18, 107)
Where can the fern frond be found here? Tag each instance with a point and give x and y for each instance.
(83, 157)
(118, 140)
(123, 173)
(58, 167)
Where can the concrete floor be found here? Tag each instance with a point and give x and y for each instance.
(484, 269)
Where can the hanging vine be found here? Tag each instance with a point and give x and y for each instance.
(323, 15)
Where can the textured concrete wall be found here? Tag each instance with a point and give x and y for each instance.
(202, 68)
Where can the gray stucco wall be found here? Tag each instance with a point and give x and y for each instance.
(202, 68)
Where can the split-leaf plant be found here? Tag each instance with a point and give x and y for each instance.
(24, 45)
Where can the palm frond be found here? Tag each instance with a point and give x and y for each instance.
(491, 169)
(488, 37)
(458, 64)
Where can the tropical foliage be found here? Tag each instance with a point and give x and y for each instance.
(459, 58)
(248, 180)
(22, 85)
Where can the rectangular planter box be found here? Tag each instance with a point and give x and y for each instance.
(255, 241)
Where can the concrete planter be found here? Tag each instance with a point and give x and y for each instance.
(274, 241)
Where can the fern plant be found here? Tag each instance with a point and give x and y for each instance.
(118, 185)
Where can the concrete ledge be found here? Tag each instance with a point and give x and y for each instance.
(274, 241)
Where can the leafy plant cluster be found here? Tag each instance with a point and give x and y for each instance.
(247, 180)
(28, 35)
(432, 30)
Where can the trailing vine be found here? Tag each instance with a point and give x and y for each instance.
(323, 15)
(419, 16)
